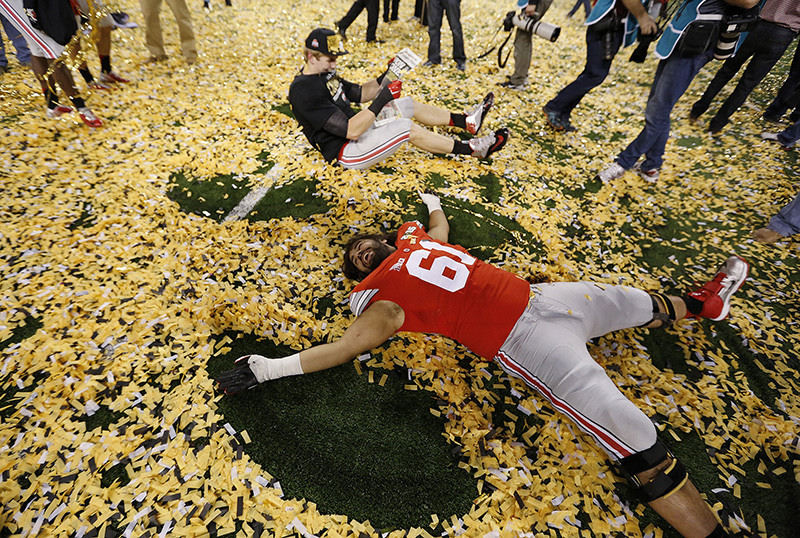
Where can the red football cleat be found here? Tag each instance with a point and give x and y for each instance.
(716, 294)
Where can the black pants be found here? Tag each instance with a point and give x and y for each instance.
(765, 44)
(355, 10)
(789, 94)
(395, 5)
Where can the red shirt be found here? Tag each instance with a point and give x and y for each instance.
(443, 289)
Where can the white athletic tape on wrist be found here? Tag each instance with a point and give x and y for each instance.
(266, 369)
(431, 202)
(433, 206)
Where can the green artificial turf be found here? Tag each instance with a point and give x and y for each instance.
(352, 447)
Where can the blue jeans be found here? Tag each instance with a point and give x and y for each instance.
(593, 74)
(587, 7)
(673, 76)
(436, 9)
(23, 53)
(787, 221)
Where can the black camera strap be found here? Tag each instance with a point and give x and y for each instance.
(491, 49)
(500, 60)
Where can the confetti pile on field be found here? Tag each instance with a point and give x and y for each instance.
(117, 261)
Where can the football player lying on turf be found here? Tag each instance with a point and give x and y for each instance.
(415, 281)
(321, 100)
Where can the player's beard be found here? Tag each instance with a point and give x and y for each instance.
(380, 253)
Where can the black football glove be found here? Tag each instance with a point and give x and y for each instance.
(239, 379)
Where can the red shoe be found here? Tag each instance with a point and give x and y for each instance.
(112, 78)
(716, 294)
(58, 111)
(89, 118)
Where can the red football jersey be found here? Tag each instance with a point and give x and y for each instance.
(443, 289)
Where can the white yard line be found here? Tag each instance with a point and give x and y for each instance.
(252, 198)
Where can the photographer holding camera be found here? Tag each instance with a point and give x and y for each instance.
(611, 25)
(533, 10)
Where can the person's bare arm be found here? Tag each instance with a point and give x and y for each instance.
(379, 95)
(438, 227)
(372, 328)
(380, 321)
(369, 90)
(646, 23)
(358, 124)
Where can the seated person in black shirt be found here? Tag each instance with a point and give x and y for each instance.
(321, 100)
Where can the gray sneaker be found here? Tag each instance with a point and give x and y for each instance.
(610, 173)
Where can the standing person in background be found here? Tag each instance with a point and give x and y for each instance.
(153, 37)
(436, 11)
(47, 34)
(770, 36)
(23, 52)
(355, 10)
(684, 48)
(608, 27)
(522, 44)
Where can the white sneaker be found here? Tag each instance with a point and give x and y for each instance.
(610, 173)
(650, 176)
(58, 111)
(478, 113)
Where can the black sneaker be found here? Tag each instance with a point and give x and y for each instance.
(340, 31)
(553, 119)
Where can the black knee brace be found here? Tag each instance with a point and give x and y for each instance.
(666, 318)
(668, 480)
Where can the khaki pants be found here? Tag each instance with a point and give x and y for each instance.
(152, 27)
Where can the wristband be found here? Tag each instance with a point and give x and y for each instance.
(266, 369)
(383, 97)
(382, 76)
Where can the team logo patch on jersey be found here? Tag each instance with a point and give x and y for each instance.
(398, 265)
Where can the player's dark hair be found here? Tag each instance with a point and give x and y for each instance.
(348, 268)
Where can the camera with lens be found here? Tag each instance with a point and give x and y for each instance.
(526, 23)
(732, 27)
